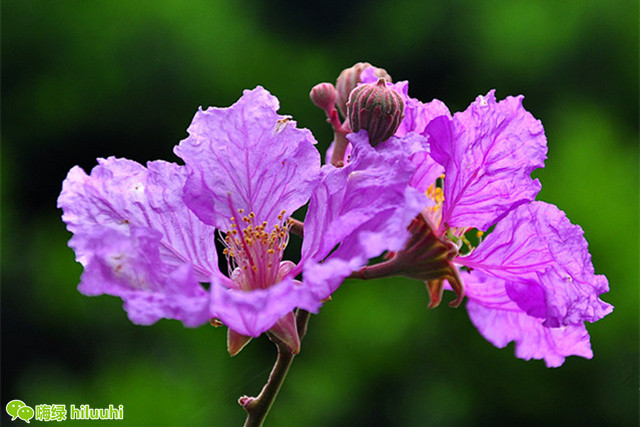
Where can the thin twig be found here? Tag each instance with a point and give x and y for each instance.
(257, 408)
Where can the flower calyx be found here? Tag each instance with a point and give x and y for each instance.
(376, 108)
(425, 257)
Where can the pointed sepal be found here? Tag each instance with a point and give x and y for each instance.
(236, 342)
(286, 331)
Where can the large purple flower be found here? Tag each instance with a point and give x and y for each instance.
(531, 279)
(148, 234)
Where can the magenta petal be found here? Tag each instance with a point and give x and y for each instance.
(375, 183)
(254, 312)
(501, 321)
(363, 208)
(538, 248)
(488, 152)
(427, 171)
(324, 278)
(121, 192)
(247, 157)
(126, 263)
(533, 340)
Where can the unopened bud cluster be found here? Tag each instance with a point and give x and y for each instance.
(375, 107)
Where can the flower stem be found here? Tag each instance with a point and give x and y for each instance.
(340, 137)
(257, 408)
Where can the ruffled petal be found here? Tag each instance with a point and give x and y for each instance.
(247, 157)
(488, 152)
(126, 262)
(324, 278)
(363, 208)
(121, 192)
(254, 312)
(427, 171)
(374, 183)
(547, 258)
(501, 321)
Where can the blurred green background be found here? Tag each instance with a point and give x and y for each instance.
(87, 79)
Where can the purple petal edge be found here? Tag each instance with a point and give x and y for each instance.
(247, 157)
(488, 152)
(547, 259)
(501, 321)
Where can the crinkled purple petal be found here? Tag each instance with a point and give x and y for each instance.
(126, 262)
(417, 148)
(252, 313)
(324, 278)
(501, 321)
(247, 157)
(488, 152)
(427, 171)
(546, 257)
(374, 183)
(120, 192)
(364, 207)
(417, 115)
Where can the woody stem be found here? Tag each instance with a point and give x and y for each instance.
(258, 408)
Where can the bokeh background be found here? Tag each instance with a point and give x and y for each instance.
(87, 79)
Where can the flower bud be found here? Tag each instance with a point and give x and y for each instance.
(349, 79)
(376, 108)
(323, 95)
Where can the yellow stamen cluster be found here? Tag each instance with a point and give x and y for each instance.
(254, 250)
(435, 193)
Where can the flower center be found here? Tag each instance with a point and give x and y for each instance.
(254, 254)
(436, 194)
(457, 235)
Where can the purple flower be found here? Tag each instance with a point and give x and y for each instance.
(364, 207)
(148, 234)
(531, 279)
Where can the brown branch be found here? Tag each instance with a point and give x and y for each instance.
(257, 408)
